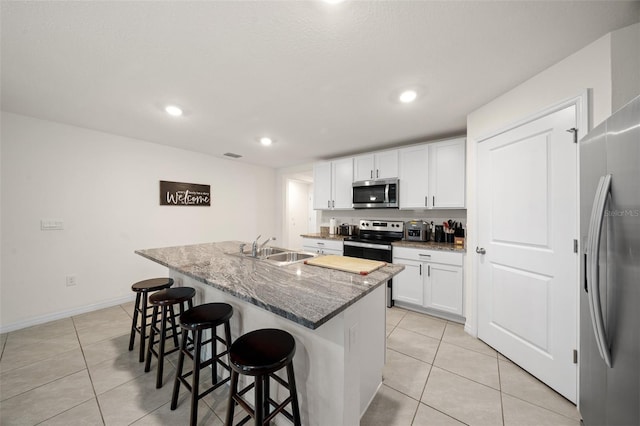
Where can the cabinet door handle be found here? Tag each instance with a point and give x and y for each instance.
(333, 204)
(428, 270)
(371, 173)
(377, 173)
(420, 269)
(426, 201)
(433, 204)
(328, 204)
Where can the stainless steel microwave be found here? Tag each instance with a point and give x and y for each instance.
(376, 194)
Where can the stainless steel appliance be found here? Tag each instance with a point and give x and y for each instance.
(374, 242)
(375, 194)
(346, 229)
(609, 357)
(417, 230)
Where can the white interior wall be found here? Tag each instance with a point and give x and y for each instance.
(106, 190)
(625, 65)
(589, 68)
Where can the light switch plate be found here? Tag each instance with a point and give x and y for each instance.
(51, 225)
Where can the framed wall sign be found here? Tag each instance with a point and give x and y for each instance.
(184, 194)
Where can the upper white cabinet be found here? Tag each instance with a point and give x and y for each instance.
(381, 165)
(332, 184)
(447, 174)
(414, 177)
(432, 176)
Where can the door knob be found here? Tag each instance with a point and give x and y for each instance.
(480, 250)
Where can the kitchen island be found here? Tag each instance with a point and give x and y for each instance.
(337, 319)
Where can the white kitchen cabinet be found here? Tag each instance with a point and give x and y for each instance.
(322, 186)
(380, 165)
(407, 285)
(332, 184)
(322, 246)
(447, 174)
(413, 176)
(433, 279)
(432, 176)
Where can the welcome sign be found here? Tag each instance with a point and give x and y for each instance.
(184, 194)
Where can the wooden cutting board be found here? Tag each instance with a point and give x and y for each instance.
(346, 264)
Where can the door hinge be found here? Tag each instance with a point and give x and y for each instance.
(575, 356)
(574, 130)
(575, 246)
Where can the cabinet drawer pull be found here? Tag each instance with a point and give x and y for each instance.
(425, 255)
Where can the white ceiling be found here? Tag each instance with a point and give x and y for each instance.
(318, 78)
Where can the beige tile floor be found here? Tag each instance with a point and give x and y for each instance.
(78, 371)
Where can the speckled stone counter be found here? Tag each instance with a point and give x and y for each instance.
(430, 245)
(336, 318)
(307, 295)
(324, 236)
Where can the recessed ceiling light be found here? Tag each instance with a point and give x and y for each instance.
(408, 96)
(266, 141)
(173, 110)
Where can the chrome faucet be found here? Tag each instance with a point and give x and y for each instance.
(255, 248)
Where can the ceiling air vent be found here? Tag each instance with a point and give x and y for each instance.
(232, 155)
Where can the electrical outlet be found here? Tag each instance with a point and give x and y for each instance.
(71, 280)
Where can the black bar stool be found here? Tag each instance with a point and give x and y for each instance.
(261, 353)
(165, 299)
(203, 317)
(142, 289)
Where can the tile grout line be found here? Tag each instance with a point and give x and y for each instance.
(88, 372)
(501, 393)
(429, 375)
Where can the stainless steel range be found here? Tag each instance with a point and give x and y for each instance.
(375, 243)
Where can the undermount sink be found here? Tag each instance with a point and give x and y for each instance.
(261, 254)
(289, 257)
(276, 256)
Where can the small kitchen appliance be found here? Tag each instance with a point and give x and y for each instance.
(346, 229)
(417, 230)
(375, 194)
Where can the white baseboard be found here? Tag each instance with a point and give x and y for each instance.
(66, 314)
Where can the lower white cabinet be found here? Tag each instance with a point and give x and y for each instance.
(322, 246)
(431, 279)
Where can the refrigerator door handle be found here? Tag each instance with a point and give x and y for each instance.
(592, 266)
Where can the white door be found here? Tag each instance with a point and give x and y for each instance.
(297, 213)
(527, 223)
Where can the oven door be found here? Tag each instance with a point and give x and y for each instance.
(373, 252)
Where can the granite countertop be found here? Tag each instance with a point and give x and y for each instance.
(307, 295)
(318, 235)
(430, 245)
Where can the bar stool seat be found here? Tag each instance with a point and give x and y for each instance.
(196, 320)
(261, 353)
(163, 302)
(141, 309)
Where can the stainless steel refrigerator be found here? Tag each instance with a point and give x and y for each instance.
(609, 356)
